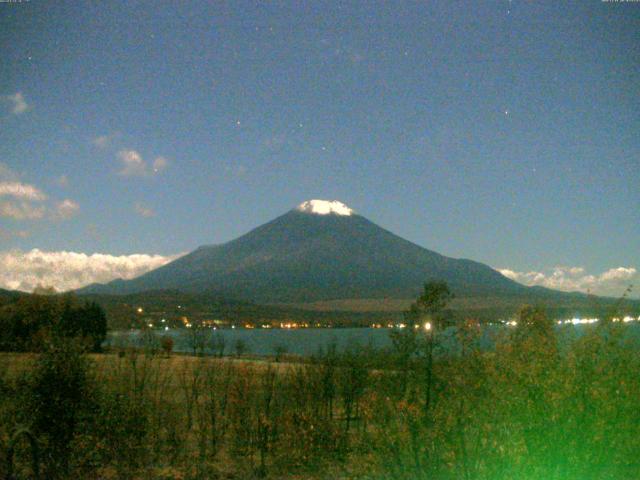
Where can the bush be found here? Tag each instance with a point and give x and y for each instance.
(166, 343)
(59, 396)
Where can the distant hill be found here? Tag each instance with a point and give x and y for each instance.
(7, 296)
(122, 310)
(133, 310)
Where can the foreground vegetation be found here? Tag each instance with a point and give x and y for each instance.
(528, 409)
(29, 323)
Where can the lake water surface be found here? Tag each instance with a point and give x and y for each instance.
(259, 341)
(308, 341)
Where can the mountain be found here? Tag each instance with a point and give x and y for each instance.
(318, 251)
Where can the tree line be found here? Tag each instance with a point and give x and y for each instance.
(30, 322)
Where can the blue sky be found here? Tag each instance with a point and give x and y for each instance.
(506, 132)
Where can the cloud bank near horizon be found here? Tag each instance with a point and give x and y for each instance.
(64, 270)
(612, 282)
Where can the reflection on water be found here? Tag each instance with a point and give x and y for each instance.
(305, 341)
(308, 341)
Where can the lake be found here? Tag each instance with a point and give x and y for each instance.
(308, 341)
(262, 341)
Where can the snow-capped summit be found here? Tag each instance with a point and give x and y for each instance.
(324, 207)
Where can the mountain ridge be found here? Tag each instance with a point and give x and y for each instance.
(304, 255)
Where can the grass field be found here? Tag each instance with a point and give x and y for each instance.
(526, 411)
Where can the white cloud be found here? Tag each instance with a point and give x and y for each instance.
(22, 191)
(612, 282)
(21, 210)
(27, 202)
(19, 103)
(144, 211)
(159, 164)
(20, 206)
(573, 270)
(70, 270)
(133, 165)
(65, 209)
(618, 274)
